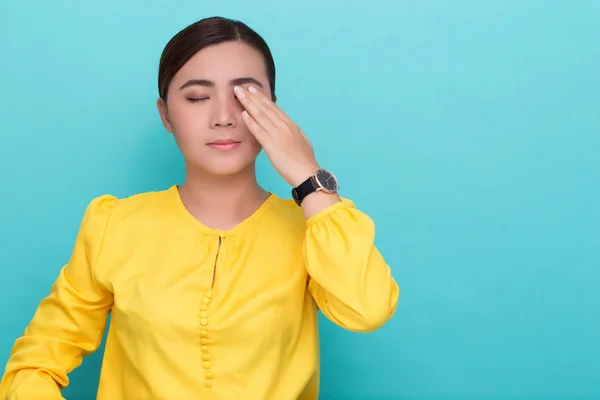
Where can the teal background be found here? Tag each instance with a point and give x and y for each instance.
(468, 130)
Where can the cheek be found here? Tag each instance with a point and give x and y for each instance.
(186, 116)
(189, 127)
(255, 147)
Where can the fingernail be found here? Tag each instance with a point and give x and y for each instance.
(253, 89)
(238, 90)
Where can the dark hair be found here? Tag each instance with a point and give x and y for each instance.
(206, 32)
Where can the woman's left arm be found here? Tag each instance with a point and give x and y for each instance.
(349, 278)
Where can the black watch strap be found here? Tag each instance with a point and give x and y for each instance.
(304, 189)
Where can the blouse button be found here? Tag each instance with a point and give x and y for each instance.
(204, 314)
(204, 341)
(205, 357)
(204, 307)
(206, 364)
(203, 322)
(208, 385)
(204, 333)
(206, 300)
(209, 294)
(205, 349)
(209, 375)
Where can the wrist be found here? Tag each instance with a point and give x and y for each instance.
(303, 174)
(317, 202)
(319, 183)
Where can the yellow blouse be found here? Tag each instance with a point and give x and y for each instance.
(200, 313)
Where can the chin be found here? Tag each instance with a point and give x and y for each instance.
(232, 167)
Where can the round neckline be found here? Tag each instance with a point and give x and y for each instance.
(174, 190)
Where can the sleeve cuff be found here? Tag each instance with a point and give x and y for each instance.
(344, 204)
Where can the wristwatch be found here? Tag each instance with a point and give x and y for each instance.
(322, 180)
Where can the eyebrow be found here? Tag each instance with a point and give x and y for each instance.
(233, 82)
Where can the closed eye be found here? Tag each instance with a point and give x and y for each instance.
(197, 100)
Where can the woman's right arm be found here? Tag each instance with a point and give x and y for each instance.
(68, 324)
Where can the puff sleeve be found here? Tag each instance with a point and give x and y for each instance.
(69, 323)
(348, 277)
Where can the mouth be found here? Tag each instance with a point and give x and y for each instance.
(227, 144)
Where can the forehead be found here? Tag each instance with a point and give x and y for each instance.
(223, 62)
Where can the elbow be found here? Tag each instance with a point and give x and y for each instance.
(375, 320)
(376, 316)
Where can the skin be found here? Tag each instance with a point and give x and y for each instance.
(222, 93)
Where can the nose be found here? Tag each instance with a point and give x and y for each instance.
(225, 112)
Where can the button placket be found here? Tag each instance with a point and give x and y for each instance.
(204, 324)
(204, 340)
(204, 337)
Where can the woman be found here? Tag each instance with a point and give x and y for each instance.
(213, 286)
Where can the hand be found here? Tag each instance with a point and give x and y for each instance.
(285, 144)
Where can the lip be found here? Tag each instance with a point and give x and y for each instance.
(224, 144)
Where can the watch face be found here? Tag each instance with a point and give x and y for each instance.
(327, 181)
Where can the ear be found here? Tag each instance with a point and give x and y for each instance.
(164, 114)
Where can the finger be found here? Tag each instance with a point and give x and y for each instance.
(258, 131)
(256, 110)
(269, 104)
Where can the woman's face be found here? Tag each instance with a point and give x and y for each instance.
(203, 113)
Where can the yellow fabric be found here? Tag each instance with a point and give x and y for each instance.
(199, 313)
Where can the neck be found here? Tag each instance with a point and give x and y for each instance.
(222, 201)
